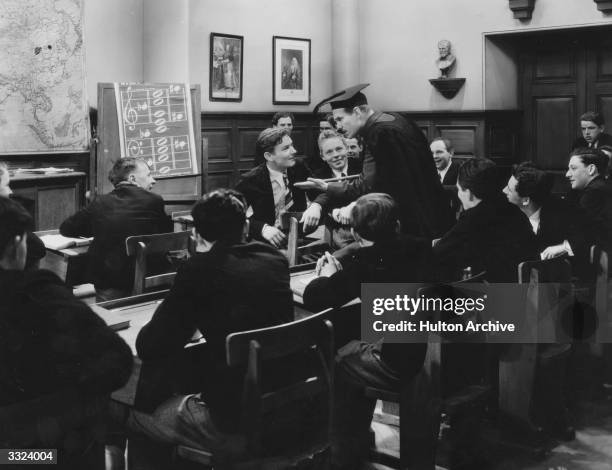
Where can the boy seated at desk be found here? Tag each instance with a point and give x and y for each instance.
(36, 248)
(229, 285)
(268, 188)
(385, 256)
(334, 152)
(58, 360)
(130, 209)
(491, 234)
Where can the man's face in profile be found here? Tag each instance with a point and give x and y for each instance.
(142, 176)
(347, 123)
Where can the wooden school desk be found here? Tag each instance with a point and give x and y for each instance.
(70, 264)
(140, 308)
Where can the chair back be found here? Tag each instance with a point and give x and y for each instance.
(182, 220)
(549, 292)
(296, 254)
(261, 352)
(143, 246)
(599, 264)
(549, 270)
(549, 295)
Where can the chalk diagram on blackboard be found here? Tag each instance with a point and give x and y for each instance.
(155, 123)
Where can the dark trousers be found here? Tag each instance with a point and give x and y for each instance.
(358, 366)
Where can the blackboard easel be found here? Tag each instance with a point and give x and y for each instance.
(177, 191)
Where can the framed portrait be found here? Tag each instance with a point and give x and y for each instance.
(225, 74)
(291, 70)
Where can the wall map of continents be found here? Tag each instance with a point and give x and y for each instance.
(43, 107)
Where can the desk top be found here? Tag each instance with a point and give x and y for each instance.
(140, 308)
(25, 176)
(79, 250)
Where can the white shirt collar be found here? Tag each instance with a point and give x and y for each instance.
(277, 176)
(338, 173)
(442, 173)
(534, 219)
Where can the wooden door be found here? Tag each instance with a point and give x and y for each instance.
(553, 94)
(562, 76)
(599, 76)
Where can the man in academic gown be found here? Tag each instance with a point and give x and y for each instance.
(397, 162)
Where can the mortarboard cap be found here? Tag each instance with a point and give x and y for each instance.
(348, 98)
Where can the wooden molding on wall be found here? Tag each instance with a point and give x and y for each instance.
(522, 9)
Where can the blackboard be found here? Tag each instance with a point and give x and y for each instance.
(155, 123)
(182, 185)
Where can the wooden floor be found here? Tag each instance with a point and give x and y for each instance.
(591, 450)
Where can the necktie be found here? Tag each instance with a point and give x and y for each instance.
(288, 195)
(441, 177)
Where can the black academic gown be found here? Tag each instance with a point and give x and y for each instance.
(398, 162)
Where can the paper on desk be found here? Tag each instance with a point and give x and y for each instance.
(59, 242)
(298, 283)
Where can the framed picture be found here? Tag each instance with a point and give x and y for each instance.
(291, 74)
(225, 74)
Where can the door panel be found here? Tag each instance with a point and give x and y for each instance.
(553, 71)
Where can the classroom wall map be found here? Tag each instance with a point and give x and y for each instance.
(43, 107)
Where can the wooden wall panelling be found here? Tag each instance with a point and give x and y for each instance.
(502, 136)
(599, 77)
(50, 199)
(555, 119)
(553, 83)
(229, 138)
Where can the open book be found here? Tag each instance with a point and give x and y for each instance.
(59, 242)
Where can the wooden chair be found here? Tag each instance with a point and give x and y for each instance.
(294, 252)
(143, 246)
(257, 350)
(518, 362)
(422, 401)
(182, 220)
(599, 263)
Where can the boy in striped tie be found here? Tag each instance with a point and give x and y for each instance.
(268, 188)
